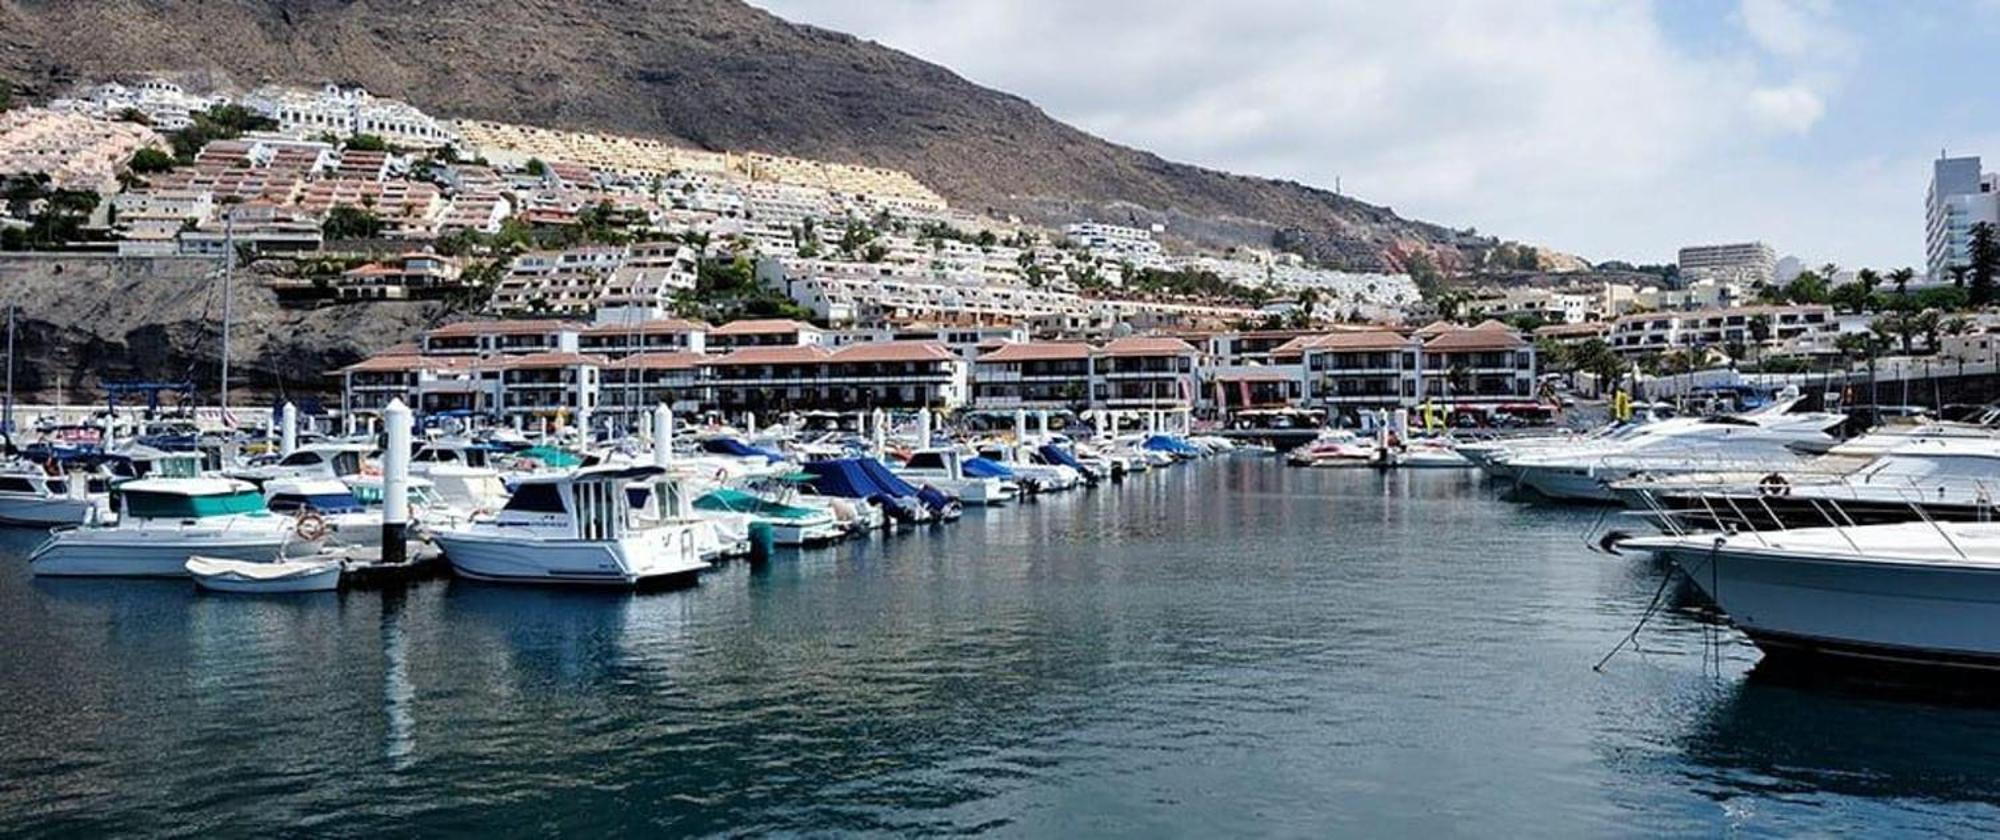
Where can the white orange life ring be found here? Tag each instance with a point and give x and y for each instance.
(311, 527)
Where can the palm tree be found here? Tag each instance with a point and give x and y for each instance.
(1902, 277)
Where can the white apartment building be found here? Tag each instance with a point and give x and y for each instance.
(565, 283)
(1550, 305)
(1117, 241)
(165, 105)
(348, 111)
(1803, 329)
(1746, 263)
(1960, 196)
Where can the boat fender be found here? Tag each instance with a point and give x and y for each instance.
(721, 474)
(1609, 542)
(311, 527)
(1774, 485)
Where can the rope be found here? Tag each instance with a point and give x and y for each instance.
(1659, 596)
(1601, 514)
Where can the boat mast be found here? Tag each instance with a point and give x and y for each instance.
(228, 278)
(7, 423)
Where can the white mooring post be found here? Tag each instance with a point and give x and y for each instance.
(1020, 426)
(923, 428)
(881, 433)
(396, 484)
(1042, 422)
(288, 441)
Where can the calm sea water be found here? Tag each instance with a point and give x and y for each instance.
(1231, 648)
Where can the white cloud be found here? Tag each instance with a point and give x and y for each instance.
(1575, 123)
(1793, 108)
(1796, 29)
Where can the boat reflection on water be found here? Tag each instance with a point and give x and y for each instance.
(569, 636)
(1790, 731)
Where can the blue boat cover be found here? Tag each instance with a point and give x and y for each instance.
(985, 468)
(934, 498)
(841, 477)
(732, 446)
(887, 481)
(1163, 443)
(1059, 455)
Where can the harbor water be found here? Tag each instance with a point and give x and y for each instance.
(1221, 649)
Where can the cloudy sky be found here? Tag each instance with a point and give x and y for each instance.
(1615, 129)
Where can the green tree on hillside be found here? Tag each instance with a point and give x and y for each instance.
(349, 222)
(149, 160)
(366, 143)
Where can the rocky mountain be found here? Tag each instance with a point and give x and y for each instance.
(712, 73)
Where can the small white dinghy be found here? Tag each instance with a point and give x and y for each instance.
(319, 573)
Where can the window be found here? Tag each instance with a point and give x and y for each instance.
(536, 498)
(11, 484)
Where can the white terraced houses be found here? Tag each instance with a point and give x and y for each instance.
(344, 112)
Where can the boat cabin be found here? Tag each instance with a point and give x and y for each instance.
(188, 498)
(589, 504)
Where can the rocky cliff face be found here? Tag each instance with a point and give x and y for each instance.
(713, 73)
(86, 320)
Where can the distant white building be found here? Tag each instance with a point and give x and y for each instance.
(344, 112)
(1739, 262)
(1959, 197)
(1127, 243)
(165, 105)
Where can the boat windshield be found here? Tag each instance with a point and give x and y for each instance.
(927, 461)
(321, 502)
(147, 505)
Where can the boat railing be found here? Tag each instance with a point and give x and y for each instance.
(1827, 509)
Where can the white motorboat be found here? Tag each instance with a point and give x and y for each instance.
(163, 521)
(333, 461)
(312, 574)
(347, 521)
(1426, 454)
(1917, 593)
(1336, 448)
(31, 496)
(945, 469)
(1043, 477)
(575, 528)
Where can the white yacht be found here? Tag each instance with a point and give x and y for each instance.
(1914, 593)
(1044, 477)
(1336, 448)
(162, 522)
(1668, 447)
(574, 528)
(945, 469)
(31, 496)
(324, 461)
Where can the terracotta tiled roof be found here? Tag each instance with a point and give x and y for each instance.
(1471, 339)
(464, 328)
(895, 351)
(784, 355)
(668, 325)
(1038, 351)
(659, 361)
(548, 360)
(1358, 340)
(763, 327)
(1147, 346)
